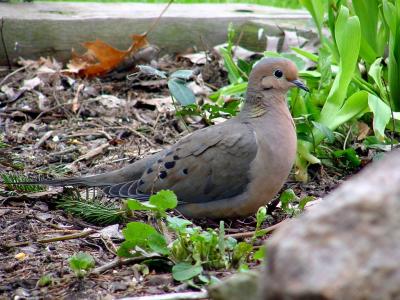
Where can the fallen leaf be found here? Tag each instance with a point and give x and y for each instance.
(110, 101)
(102, 58)
(30, 84)
(363, 131)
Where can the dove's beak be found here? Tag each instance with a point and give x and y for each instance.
(300, 85)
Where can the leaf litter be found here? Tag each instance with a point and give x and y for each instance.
(54, 124)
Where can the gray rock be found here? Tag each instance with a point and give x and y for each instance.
(237, 287)
(348, 247)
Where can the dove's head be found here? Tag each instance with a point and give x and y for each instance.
(274, 74)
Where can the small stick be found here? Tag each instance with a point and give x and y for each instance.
(248, 234)
(119, 262)
(55, 239)
(155, 23)
(172, 296)
(14, 72)
(4, 45)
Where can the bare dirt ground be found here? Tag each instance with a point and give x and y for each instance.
(55, 125)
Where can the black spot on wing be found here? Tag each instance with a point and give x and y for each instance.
(163, 174)
(169, 164)
(149, 170)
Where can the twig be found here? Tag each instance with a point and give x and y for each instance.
(155, 23)
(43, 139)
(55, 239)
(172, 296)
(15, 72)
(57, 227)
(92, 153)
(119, 262)
(347, 137)
(4, 44)
(142, 136)
(251, 233)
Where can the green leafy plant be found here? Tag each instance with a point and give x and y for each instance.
(190, 248)
(81, 264)
(345, 92)
(2, 143)
(45, 280)
(11, 182)
(291, 204)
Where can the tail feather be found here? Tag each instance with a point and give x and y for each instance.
(91, 181)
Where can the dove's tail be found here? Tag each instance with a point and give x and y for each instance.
(90, 181)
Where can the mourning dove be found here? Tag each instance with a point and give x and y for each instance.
(226, 170)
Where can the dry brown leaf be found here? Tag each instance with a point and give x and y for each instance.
(101, 58)
(363, 131)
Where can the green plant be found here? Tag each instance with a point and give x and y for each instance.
(345, 92)
(92, 210)
(11, 181)
(81, 264)
(190, 248)
(2, 143)
(45, 280)
(291, 204)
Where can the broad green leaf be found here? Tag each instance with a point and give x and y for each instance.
(324, 66)
(368, 13)
(304, 151)
(306, 54)
(303, 201)
(241, 251)
(233, 89)
(382, 115)
(325, 131)
(300, 63)
(81, 261)
(233, 71)
(182, 74)
(375, 71)
(151, 71)
(184, 271)
(181, 92)
(164, 199)
(158, 244)
(350, 155)
(391, 13)
(260, 253)
(138, 232)
(177, 224)
(346, 29)
(45, 280)
(355, 106)
(124, 249)
(287, 197)
(317, 11)
(261, 216)
(134, 204)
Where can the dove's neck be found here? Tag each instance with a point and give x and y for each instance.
(264, 104)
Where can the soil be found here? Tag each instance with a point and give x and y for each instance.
(54, 125)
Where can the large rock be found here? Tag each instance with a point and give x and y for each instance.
(346, 248)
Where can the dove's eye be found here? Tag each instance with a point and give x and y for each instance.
(278, 73)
